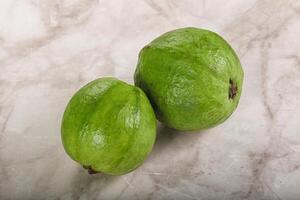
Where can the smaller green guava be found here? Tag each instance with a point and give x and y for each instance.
(109, 126)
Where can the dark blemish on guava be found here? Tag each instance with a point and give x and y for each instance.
(90, 170)
(147, 47)
(232, 89)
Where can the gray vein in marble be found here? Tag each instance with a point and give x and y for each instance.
(259, 30)
(65, 19)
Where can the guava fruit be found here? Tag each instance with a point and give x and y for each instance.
(192, 77)
(109, 126)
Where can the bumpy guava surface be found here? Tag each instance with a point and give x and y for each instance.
(109, 126)
(192, 77)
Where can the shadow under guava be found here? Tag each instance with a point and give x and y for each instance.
(83, 182)
(171, 139)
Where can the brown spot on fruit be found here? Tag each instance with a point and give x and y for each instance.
(232, 89)
(90, 170)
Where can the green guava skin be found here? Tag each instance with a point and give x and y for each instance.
(109, 126)
(187, 74)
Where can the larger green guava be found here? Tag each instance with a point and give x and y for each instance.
(192, 77)
(109, 126)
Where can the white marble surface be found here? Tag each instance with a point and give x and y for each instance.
(50, 48)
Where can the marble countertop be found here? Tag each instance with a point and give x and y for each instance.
(50, 48)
